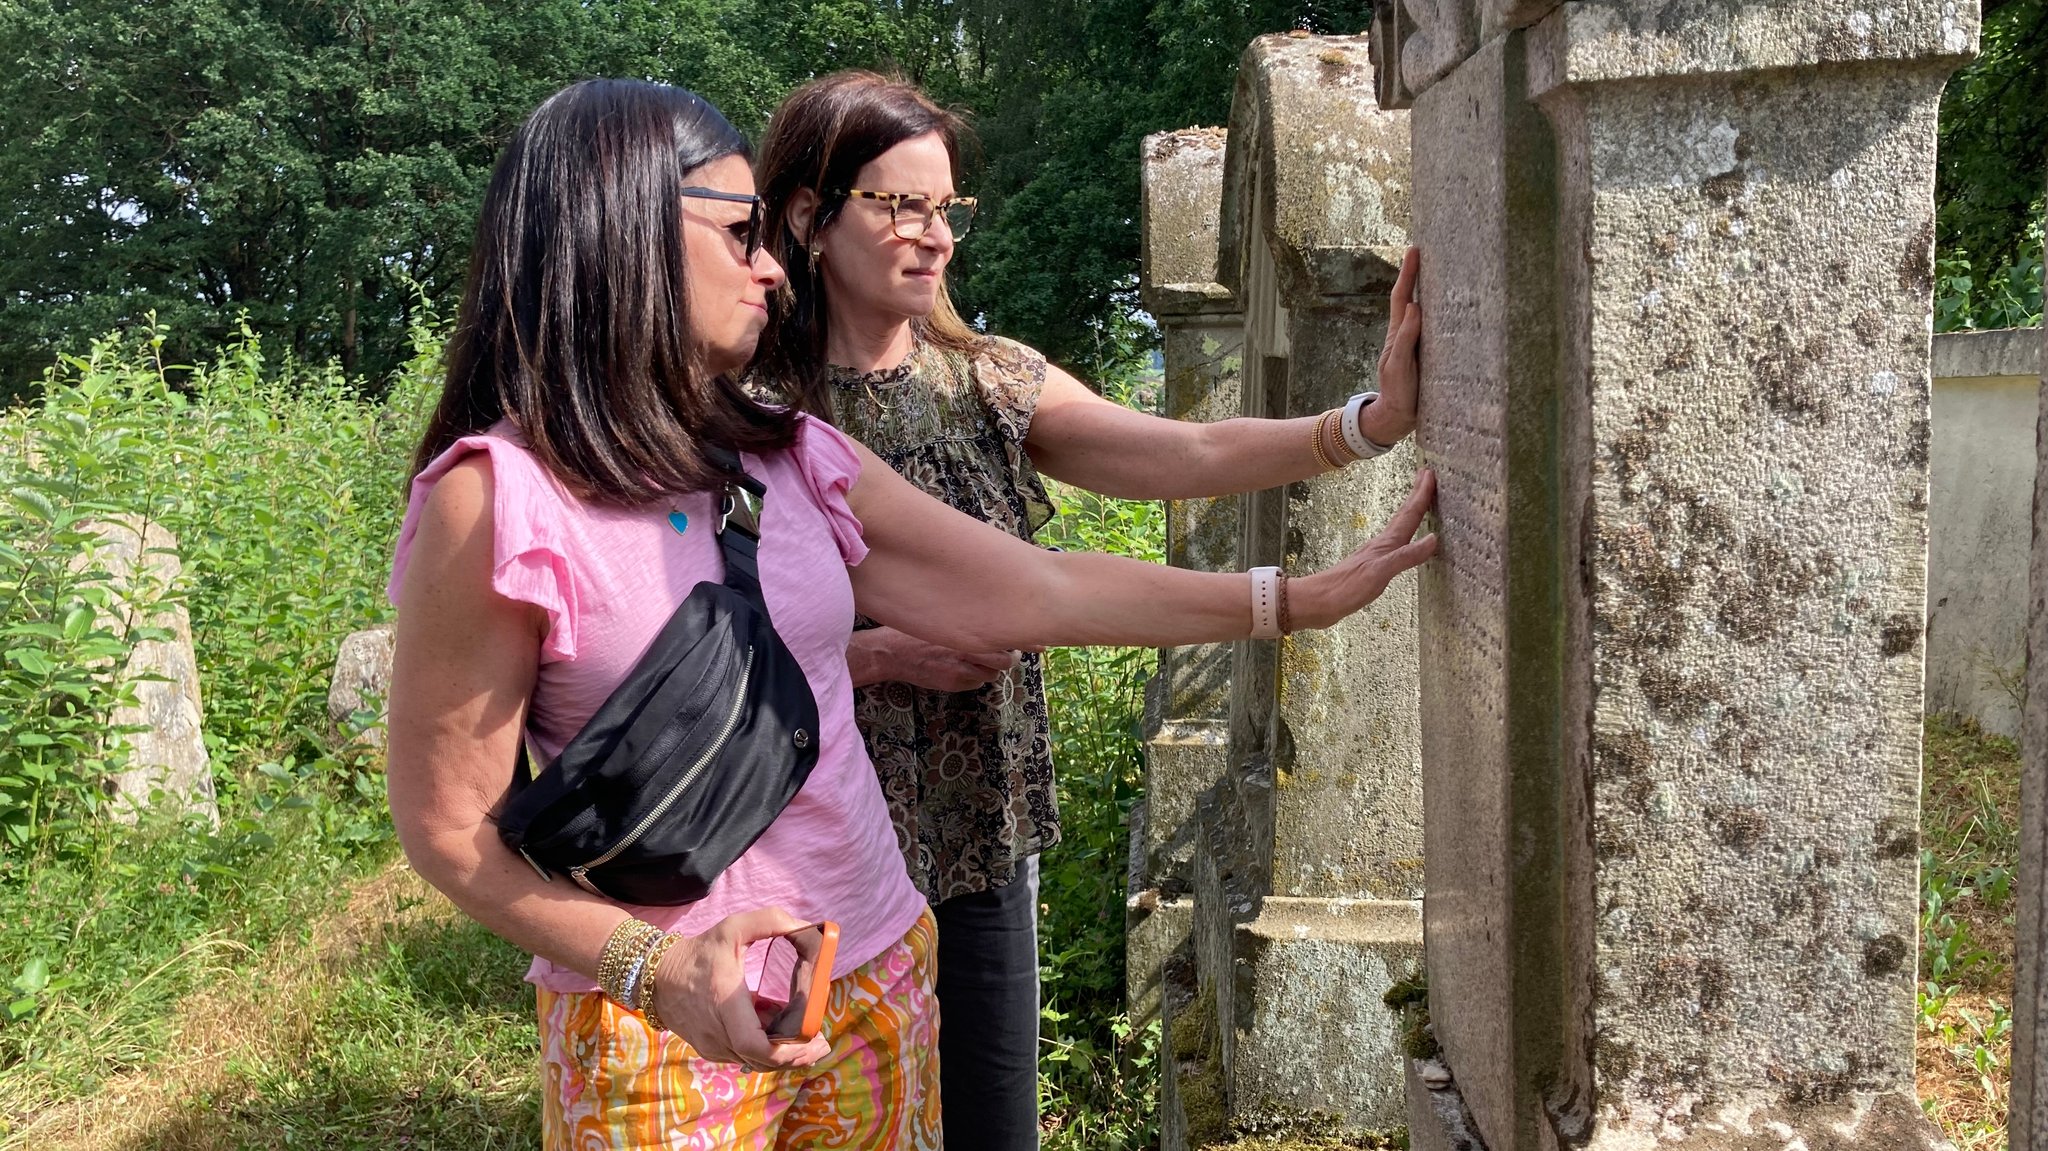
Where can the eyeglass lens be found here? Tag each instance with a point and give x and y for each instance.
(913, 217)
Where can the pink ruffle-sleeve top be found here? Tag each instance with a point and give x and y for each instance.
(609, 577)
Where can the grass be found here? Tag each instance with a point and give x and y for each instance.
(393, 1022)
(1970, 846)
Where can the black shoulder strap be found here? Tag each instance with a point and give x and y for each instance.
(739, 529)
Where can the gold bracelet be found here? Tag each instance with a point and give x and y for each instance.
(1340, 448)
(628, 943)
(647, 983)
(1315, 443)
(1286, 624)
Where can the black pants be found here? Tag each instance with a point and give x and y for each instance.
(988, 1016)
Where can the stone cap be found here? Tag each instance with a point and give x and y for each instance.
(1180, 198)
(1999, 352)
(1316, 168)
(1418, 42)
(1602, 40)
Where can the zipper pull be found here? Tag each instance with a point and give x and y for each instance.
(582, 877)
(545, 875)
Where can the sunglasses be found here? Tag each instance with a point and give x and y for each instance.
(748, 232)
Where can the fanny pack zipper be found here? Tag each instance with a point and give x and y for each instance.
(582, 874)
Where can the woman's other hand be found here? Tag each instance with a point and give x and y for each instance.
(885, 655)
(702, 995)
(1319, 600)
(1391, 417)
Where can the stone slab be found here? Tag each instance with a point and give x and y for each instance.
(167, 757)
(1589, 41)
(1981, 465)
(2028, 1121)
(1317, 167)
(1746, 226)
(1313, 1035)
(1181, 190)
(1996, 352)
(1182, 760)
(1492, 614)
(1156, 928)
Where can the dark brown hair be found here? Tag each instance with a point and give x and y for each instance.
(574, 324)
(823, 134)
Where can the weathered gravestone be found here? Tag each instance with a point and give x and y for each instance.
(1676, 293)
(166, 751)
(1202, 333)
(360, 683)
(1308, 859)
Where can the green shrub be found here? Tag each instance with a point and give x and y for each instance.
(1098, 1078)
(282, 486)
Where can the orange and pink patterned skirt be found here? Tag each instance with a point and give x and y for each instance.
(612, 1084)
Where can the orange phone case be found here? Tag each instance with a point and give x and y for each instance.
(821, 986)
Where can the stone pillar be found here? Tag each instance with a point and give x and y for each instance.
(1310, 864)
(2027, 1129)
(1677, 304)
(1202, 334)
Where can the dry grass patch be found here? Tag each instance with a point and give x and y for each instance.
(248, 1039)
(1970, 845)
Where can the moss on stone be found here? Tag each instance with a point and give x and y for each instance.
(1409, 998)
(1197, 1050)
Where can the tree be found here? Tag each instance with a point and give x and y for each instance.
(1067, 90)
(1994, 155)
(308, 164)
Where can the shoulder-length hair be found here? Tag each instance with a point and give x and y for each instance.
(574, 323)
(823, 134)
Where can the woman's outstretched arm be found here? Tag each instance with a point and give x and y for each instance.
(1082, 439)
(946, 577)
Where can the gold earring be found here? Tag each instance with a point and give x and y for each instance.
(814, 259)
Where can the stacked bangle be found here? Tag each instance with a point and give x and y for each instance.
(623, 962)
(647, 985)
(1286, 623)
(1315, 442)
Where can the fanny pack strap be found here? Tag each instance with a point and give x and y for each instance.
(739, 543)
(739, 529)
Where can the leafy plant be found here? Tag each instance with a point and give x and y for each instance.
(2009, 297)
(1096, 1070)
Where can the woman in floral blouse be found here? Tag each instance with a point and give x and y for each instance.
(858, 174)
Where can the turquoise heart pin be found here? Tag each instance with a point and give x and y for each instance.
(679, 521)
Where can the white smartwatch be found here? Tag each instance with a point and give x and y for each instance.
(1354, 430)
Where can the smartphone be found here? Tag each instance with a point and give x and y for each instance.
(804, 959)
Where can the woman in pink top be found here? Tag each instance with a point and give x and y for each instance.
(561, 511)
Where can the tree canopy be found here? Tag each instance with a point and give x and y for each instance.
(1993, 168)
(315, 166)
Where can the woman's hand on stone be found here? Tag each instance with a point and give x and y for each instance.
(702, 995)
(1392, 416)
(1319, 600)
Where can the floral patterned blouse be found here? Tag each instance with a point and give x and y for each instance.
(968, 775)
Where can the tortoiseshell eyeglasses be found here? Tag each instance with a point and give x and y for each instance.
(911, 213)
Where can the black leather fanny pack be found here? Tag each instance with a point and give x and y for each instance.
(686, 764)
